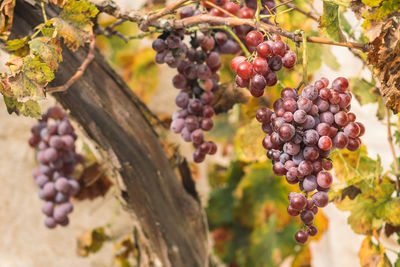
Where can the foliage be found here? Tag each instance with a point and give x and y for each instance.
(36, 58)
(247, 213)
(367, 192)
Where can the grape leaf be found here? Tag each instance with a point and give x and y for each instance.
(329, 22)
(372, 207)
(13, 45)
(351, 167)
(364, 91)
(257, 189)
(246, 137)
(6, 17)
(74, 24)
(29, 108)
(373, 255)
(48, 50)
(30, 80)
(384, 57)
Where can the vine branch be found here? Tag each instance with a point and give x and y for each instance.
(168, 24)
(80, 70)
(390, 140)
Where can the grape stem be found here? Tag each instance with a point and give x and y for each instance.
(258, 10)
(89, 58)
(390, 141)
(168, 24)
(234, 36)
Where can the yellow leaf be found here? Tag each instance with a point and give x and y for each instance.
(303, 258)
(373, 255)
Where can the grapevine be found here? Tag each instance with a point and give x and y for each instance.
(54, 140)
(302, 131)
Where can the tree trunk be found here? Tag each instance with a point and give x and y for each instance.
(171, 221)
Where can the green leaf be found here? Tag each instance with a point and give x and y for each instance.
(260, 189)
(29, 108)
(364, 91)
(330, 22)
(48, 50)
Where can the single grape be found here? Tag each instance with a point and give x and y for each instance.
(320, 199)
(301, 237)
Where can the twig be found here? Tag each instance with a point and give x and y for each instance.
(79, 72)
(390, 140)
(115, 24)
(167, 10)
(183, 23)
(298, 9)
(153, 21)
(44, 12)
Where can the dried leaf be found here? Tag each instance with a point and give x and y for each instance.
(123, 250)
(94, 182)
(373, 255)
(91, 241)
(384, 56)
(6, 18)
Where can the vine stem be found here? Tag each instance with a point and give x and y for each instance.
(89, 58)
(44, 12)
(390, 141)
(156, 21)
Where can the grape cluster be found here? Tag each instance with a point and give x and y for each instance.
(197, 79)
(261, 70)
(54, 140)
(302, 131)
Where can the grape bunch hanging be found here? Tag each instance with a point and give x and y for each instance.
(302, 131)
(54, 140)
(197, 67)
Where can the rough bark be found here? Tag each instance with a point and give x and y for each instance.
(171, 220)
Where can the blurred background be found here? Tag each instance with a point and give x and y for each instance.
(26, 242)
